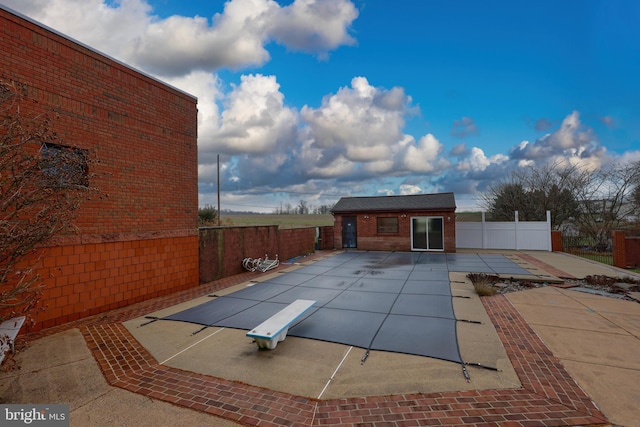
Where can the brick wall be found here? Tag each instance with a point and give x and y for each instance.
(142, 131)
(293, 242)
(619, 249)
(326, 238)
(222, 249)
(128, 244)
(626, 250)
(632, 250)
(556, 241)
(369, 239)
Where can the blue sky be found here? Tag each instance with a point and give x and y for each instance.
(318, 99)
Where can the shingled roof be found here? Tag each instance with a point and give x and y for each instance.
(414, 202)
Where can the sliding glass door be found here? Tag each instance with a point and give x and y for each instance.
(427, 233)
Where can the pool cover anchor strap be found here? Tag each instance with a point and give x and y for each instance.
(475, 322)
(465, 373)
(153, 319)
(201, 329)
(480, 365)
(477, 365)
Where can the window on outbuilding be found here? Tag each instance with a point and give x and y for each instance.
(387, 225)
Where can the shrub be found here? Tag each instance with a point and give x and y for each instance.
(483, 283)
(207, 215)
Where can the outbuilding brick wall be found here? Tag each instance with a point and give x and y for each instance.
(140, 239)
(369, 239)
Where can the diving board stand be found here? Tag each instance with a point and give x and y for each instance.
(273, 330)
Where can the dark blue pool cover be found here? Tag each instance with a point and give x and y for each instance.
(398, 302)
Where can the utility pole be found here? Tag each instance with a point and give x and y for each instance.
(218, 190)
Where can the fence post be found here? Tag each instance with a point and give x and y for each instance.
(550, 246)
(516, 231)
(556, 241)
(619, 249)
(484, 231)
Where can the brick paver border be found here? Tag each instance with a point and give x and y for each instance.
(544, 266)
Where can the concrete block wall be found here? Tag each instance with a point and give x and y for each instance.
(141, 238)
(86, 279)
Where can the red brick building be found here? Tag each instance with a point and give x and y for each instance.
(421, 222)
(140, 241)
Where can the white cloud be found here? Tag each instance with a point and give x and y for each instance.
(235, 38)
(339, 167)
(571, 135)
(478, 161)
(573, 142)
(313, 25)
(108, 28)
(361, 122)
(255, 120)
(424, 157)
(407, 189)
(358, 130)
(356, 135)
(208, 88)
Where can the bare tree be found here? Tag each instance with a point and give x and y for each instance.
(589, 203)
(635, 193)
(635, 199)
(323, 209)
(533, 191)
(606, 201)
(42, 184)
(303, 208)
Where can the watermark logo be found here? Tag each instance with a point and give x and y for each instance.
(34, 415)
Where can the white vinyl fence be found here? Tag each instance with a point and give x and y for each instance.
(519, 235)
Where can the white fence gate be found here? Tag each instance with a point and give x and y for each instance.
(525, 235)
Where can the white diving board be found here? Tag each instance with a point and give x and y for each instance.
(273, 330)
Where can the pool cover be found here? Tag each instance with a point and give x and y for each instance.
(398, 302)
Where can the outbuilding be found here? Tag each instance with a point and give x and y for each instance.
(419, 222)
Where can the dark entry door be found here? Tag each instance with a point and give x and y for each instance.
(349, 232)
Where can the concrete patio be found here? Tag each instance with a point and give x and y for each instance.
(566, 358)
